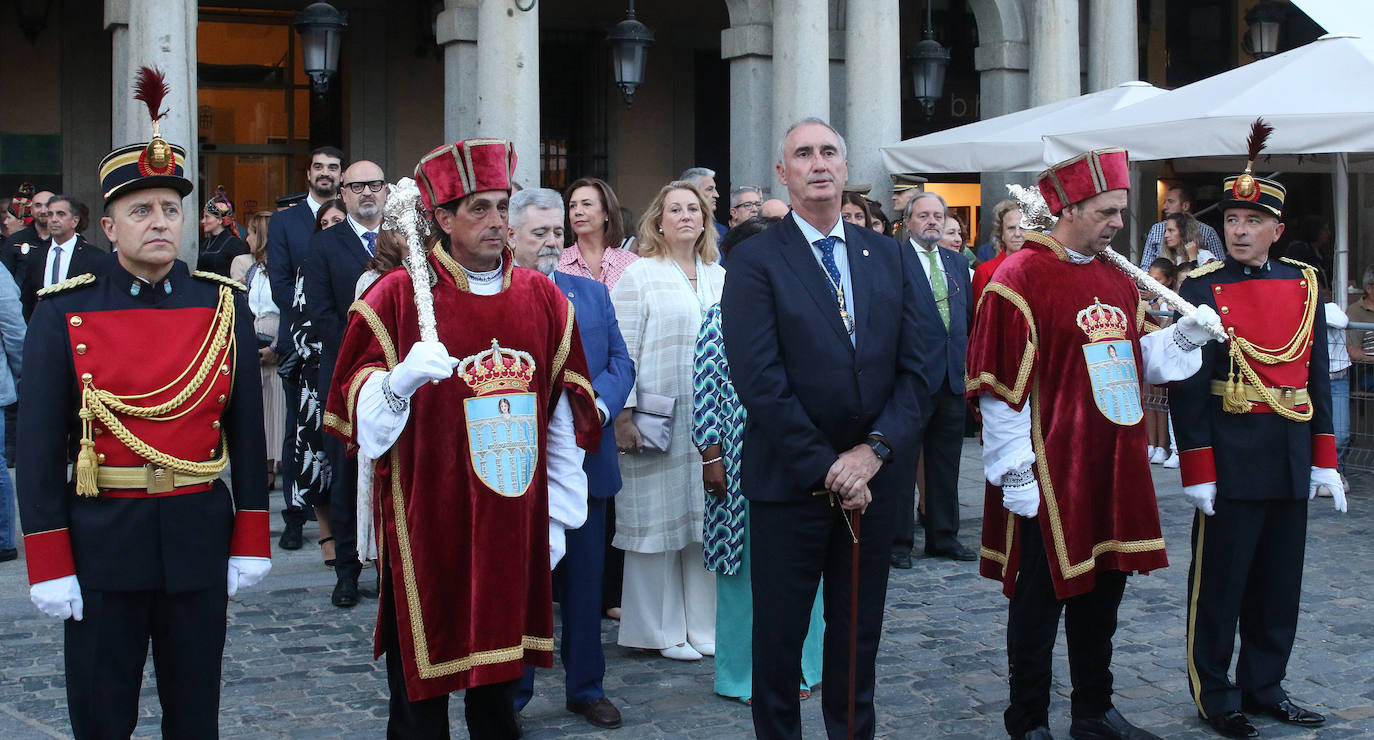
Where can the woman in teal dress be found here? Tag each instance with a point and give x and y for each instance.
(718, 431)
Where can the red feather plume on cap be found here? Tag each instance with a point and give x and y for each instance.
(1259, 136)
(151, 87)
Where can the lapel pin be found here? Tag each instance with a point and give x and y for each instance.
(865, 252)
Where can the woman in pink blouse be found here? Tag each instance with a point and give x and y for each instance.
(594, 218)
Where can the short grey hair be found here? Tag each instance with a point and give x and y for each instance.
(542, 199)
(741, 190)
(695, 175)
(906, 212)
(782, 153)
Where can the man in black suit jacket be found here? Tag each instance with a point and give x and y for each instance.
(338, 256)
(820, 328)
(945, 299)
(288, 242)
(65, 255)
(17, 249)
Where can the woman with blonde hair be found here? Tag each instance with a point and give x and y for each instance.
(668, 598)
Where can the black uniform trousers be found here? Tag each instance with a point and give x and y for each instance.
(291, 513)
(106, 650)
(942, 441)
(1246, 571)
(1033, 623)
(489, 710)
(343, 507)
(792, 545)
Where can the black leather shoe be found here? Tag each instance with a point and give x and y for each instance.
(291, 537)
(901, 560)
(345, 592)
(1285, 711)
(601, 713)
(1108, 726)
(1232, 724)
(955, 552)
(8, 555)
(1039, 733)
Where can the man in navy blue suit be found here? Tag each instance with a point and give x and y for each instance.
(822, 331)
(945, 299)
(337, 257)
(536, 236)
(288, 240)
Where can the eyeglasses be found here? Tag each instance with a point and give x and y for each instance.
(373, 185)
(749, 204)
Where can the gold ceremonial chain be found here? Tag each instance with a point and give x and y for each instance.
(839, 296)
(102, 405)
(1233, 401)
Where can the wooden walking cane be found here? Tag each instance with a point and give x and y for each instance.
(855, 519)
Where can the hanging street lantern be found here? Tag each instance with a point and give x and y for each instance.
(630, 41)
(928, 63)
(321, 28)
(1264, 21)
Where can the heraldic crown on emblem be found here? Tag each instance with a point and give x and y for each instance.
(497, 369)
(1101, 322)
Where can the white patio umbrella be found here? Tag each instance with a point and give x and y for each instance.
(1316, 97)
(1010, 143)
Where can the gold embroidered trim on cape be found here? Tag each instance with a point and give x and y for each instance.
(1016, 393)
(379, 331)
(564, 344)
(1045, 240)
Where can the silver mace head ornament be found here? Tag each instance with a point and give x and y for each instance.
(405, 215)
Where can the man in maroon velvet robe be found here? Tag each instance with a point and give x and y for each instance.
(462, 493)
(1055, 359)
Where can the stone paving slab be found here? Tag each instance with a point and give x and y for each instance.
(296, 667)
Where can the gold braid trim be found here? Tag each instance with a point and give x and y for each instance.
(564, 344)
(71, 282)
(1242, 351)
(1206, 269)
(215, 277)
(1017, 391)
(103, 405)
(383, 337)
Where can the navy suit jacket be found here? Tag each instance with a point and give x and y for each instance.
(86, 257)
(612, 370)
(945, 350)
(811, 394)
(288, 243)
(336, 259)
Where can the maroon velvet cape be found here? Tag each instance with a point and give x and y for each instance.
(1097, 506)
(467, 567)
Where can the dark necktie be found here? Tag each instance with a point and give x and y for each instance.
(370, 243)
(56, 274)
(826, 246)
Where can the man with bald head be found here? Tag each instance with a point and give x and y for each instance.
(338, 256)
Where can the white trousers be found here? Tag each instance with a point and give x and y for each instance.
(668, 598)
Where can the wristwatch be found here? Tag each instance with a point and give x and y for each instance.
(879, 448)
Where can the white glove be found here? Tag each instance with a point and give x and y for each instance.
(426, 361)
(245, 572)
(1202, 496)
(1329, 479)
(558, 544)
(1198, 327)
(59, 597)
(1023, 500)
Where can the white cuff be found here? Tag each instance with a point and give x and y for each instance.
(376, 425)
(1006, 438)
(1164, 360)
(567, 480)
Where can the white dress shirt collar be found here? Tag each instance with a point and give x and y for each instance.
(813, 234)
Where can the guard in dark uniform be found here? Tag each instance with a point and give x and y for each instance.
(145, 381)
(1254, 427)
(16, 248)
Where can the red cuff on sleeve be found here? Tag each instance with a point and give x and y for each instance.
(251, 538)
(49, 555)
(1324, 451)
(1197, 466)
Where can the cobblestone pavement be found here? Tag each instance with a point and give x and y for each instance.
(296, 667)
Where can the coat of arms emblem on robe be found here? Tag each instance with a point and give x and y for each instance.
(1111, 363)
(502, 419)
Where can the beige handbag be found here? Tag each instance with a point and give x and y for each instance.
(653, 417)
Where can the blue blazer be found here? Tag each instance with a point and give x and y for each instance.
(811, 394)
(336, 259)
(288, 243)
(947, 349)
(612, 370)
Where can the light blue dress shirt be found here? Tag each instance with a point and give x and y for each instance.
(813, 235)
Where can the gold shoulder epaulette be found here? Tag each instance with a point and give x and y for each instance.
(85, 278)
(215, 277)
(1206, 269)
(1298, 263)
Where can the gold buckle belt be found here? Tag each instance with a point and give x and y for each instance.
(148, 477)
(1288, 398)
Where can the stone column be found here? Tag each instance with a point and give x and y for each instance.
(162, 34)
(508, 81)
(1113, 46)
(1002, 60)
(752, 148)
(873, 94)
(801, 73)
(1054, 68)
(455, 29)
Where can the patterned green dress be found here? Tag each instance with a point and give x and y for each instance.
(718, 418)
